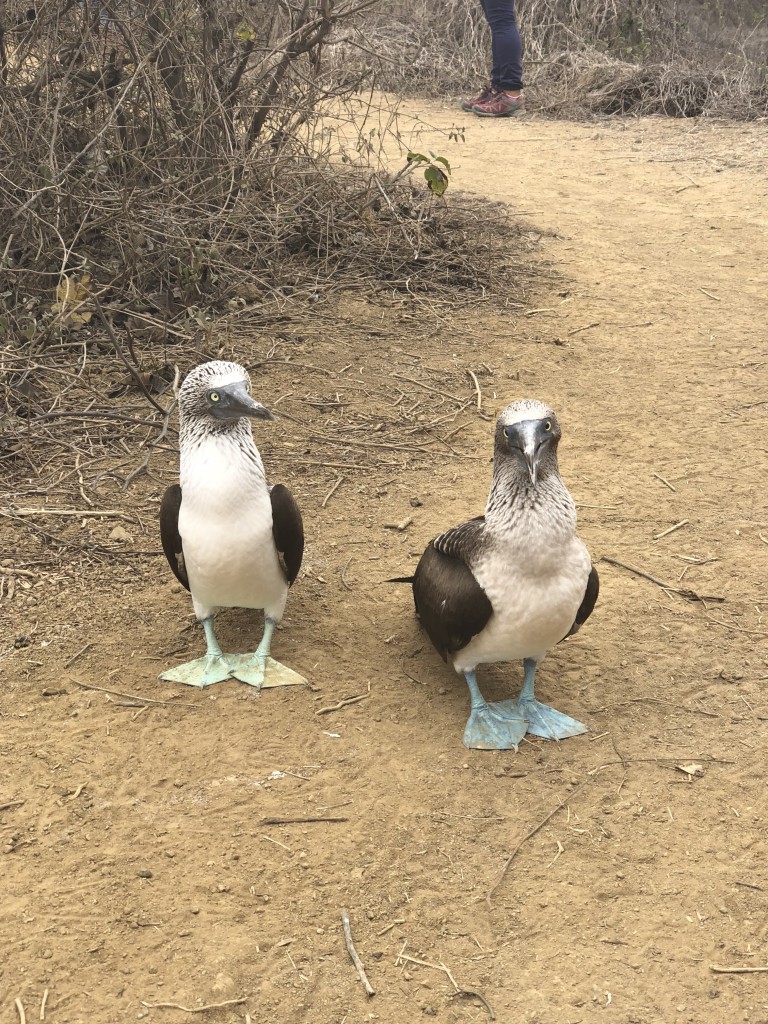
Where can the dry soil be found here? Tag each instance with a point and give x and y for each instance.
(138, 867)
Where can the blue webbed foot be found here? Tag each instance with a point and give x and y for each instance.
(542, 720)
(262, 671)
(205, 671)
(549, 723)
(212, 668)
(498, 726)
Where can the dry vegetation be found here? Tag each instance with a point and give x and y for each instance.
(171, 184)
(604, 56)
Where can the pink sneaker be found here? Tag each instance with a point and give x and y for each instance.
(501, 104)
(482, 97)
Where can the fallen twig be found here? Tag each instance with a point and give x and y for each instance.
(79, 654)
(666, 533)
(299, 821)
(737, 970)
(474, 994)
(20, 1008)
(689, 595)
(586, 327)
(526, 837)
(477, 389)
(353, 954)
(11, 804)
(402, 525)
(332, 491)
(389, 927)
(345, 702)
(665, 482)
(194, 1009)
(42, 1004)
(133, 696)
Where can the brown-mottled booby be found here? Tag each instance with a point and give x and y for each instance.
(512, 583)
(231, 539)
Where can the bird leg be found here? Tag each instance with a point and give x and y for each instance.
(212, 668)
(498, 726)
(258, 669)
(543, 720)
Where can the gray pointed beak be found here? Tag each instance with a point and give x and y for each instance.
(532, 454)
(235, 401)
(526, 438)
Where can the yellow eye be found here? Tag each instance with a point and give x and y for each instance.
(214, 396)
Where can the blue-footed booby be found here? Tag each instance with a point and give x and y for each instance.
(231, 539)
(512, 583)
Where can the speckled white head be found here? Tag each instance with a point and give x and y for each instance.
(216, 374)
(525, 409)
(527, 434)
(217, 394)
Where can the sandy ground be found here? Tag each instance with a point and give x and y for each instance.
(137, 864)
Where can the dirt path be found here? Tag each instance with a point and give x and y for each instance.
(137, 863)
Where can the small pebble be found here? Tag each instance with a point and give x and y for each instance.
(121, 535)
(144, 873)
(46, 954)
(195, 910)
(183, 934)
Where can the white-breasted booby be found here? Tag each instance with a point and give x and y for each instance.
(231, 539)
(512, 583)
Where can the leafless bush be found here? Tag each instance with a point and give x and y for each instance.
(185, 154)
(599, 56)
(175, 177)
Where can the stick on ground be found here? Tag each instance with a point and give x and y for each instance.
(194, 1009)
(737, 970)
(526, 837)
(353, 953)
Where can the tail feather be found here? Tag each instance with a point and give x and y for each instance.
(401, 579)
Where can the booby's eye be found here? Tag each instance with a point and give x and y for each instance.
(548, 425)
(214, 396)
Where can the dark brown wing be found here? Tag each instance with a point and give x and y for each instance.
(451, 604)
(169, 533)
(288, 530)
(587, 604)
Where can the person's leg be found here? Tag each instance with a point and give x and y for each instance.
(507, 74)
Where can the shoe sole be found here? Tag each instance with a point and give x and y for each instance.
(518, 112)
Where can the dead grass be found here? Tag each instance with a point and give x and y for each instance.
(604, 56)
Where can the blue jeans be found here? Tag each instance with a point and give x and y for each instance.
(507, 50)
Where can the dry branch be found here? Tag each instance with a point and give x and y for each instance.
(353, 954)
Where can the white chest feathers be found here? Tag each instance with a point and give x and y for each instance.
(535, 581)
(225, 523)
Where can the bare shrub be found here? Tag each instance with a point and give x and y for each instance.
(185, 154)
(177, 176)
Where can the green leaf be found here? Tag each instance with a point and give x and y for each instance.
(437, 180)
(244, 33)
(443, 161)
(417, 157)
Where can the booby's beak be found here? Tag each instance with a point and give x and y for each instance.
(233, 401)
(530, 438)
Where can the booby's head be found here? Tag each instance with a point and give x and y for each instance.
(528, 432)
(218, 394)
